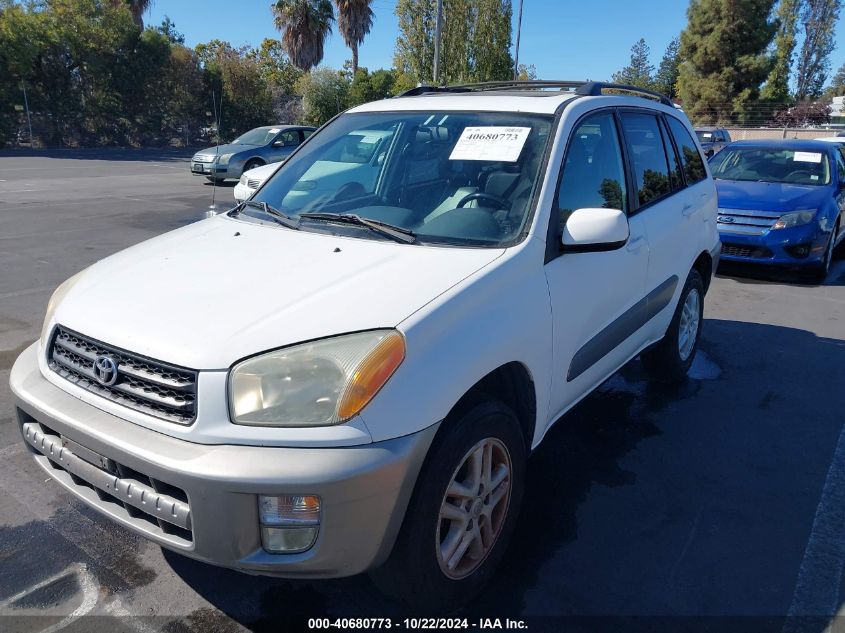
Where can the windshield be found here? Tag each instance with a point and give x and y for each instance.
(764, 164)
(258, 136)
(463, 178)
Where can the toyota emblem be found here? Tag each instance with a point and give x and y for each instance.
(105, 370)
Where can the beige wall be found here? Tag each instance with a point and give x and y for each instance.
(739, 133)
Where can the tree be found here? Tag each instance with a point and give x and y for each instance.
(475, 43)
(666, 79)
(837, 84)
(354, 21)
(304, 25)
(819, 18)
(137, 8)
(526, 73)
(803, 114)
(168, 29)
(776, 89)
(639, 71)
(324, 94)
(725, 60)
(491, 41)
(368, 86)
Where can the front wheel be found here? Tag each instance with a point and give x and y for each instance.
(823, 270)
(669, 359)
(463, 510)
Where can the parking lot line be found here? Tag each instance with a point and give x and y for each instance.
(820, 574)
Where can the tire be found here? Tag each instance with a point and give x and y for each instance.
(252, 164)
(417, 572)
(820, 273)
(216, 181)
(669, 359)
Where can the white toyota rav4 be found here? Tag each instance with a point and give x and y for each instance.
(347, 375)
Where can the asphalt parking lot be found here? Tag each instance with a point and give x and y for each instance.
(718, 505)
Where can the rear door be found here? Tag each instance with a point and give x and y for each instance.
(594, 295)
(673, 197)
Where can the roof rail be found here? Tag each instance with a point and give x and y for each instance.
(584, 88)
(595, 88)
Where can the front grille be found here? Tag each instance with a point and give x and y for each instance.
(253, 183)
(746, 222)
(152, 387)
(144, 502)
(743, 250)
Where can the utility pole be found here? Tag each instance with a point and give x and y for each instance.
(28, 118)
(438, 28)
(516, 53)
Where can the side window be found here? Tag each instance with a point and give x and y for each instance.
(693, 165)
(306, 133)
(593, 174)
(651, 169)
(676, 180)
(290, 138)
(840, 163)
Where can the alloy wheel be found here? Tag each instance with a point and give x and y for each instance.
(688, 327)
(474, 508)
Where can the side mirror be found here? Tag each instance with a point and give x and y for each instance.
(592, 230)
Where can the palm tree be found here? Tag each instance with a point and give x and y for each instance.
(137, 7)
(354, 21)
(304, 25)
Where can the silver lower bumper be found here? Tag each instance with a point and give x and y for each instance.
(201, 500)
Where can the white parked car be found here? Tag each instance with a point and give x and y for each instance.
(833, 139)
(348, 371)
(252, 180)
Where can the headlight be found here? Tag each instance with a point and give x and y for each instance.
(55, 300)
(224, 158)
(796, 218)
(242, 179)
(314, 384)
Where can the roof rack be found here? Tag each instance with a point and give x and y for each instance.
(595, 88)
(584, 88)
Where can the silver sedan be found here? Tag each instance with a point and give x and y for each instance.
(263, 145)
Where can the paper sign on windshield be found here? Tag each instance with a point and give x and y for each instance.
(275, 130)
(490, 143)
(807, 157)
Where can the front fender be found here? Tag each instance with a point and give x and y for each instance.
(498, 315)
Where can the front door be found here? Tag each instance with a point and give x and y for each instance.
(596, 297)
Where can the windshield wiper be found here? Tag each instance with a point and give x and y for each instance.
(275, 214)
(396, 233)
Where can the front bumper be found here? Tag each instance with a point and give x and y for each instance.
(210, 169)
(776, 248)
(151, 482)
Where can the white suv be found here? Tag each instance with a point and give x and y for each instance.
(349, 375)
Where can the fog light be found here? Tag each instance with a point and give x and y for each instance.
(287, 540)
(289, 523)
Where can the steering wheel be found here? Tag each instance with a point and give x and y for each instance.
(501, 203)
(798, 174)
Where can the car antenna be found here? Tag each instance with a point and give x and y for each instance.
(218, 115)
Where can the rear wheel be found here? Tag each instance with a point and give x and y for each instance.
(669, 359)
(463, 510)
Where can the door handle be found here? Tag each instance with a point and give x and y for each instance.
(635, 244)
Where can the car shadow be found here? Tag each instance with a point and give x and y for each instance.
(647, 507)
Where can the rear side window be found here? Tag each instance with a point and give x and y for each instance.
(651, 168)
(593, 175)
(693, 165)
(676, 180)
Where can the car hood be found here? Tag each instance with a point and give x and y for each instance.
(214, 292)
(231, 148)
(769, 196)
(264, 172)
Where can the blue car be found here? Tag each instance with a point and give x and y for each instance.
(781, 202)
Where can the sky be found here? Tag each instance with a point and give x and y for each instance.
(564, 39)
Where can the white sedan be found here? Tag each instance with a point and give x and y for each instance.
(833, 139)
(252, 180)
